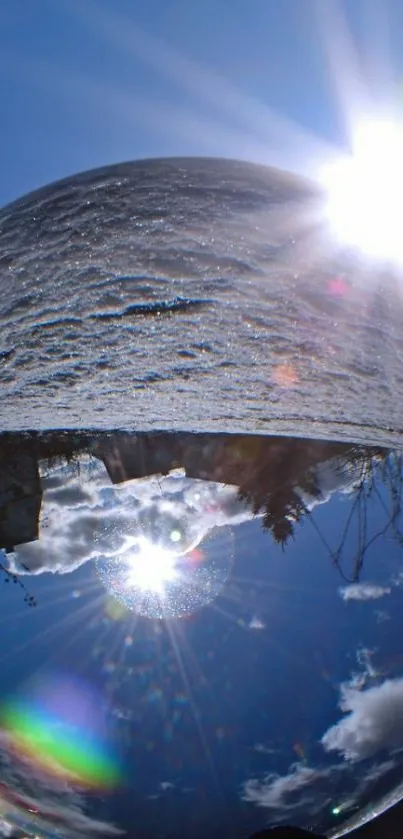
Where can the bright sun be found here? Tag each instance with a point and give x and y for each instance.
(151, 568)
(365, 191)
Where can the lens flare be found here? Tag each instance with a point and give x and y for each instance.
(365, 192)
(151, 568)
(53, 727)
(166, 579)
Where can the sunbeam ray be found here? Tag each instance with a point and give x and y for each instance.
(61, 651)
(378, 54)
(47, 602)
(57, 627)
(345, 70)
(195, 711)
(288, 145)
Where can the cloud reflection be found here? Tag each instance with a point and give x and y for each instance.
(363, 591)
(84, 517)
(373, 721)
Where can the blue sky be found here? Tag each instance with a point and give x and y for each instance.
(308, 644)
(223, 710)
(86, 84)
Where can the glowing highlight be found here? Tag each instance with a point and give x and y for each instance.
(157, 581)
(46, 728)
(365, 191)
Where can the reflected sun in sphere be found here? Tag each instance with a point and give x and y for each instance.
(166, 577)
(151, 568)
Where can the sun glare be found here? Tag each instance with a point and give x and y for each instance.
(365, 192)
(151, 568)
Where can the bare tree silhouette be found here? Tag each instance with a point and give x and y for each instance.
(376, 473)
(9, 577)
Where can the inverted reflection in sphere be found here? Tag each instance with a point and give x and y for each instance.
(157, 580)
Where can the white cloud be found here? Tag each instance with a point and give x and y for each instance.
(331, 476)
(84, 516)
(302, 792)
(310, 793)
(363, 591)
(368, 671)
(376, 772)
(397, 580)
(256, 623)
(265, 750)
(382, 616)
(373, 721)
